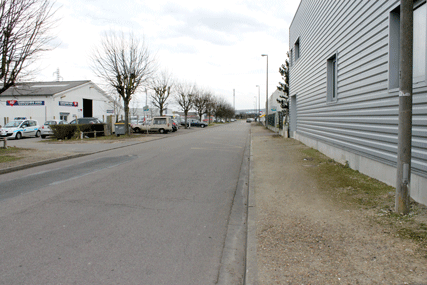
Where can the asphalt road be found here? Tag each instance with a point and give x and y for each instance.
(170, 211)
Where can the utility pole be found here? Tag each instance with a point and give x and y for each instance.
(259, 106)
(234, 100)
(405, 108)
(266, 95)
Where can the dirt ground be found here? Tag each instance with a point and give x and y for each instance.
(306, 237)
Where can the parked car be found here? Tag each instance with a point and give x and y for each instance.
(175, 125)
(86, 120)
(197, 123)
(20, 128)
(161, 125)
(46, 130)
(194, 123)
(249, 120)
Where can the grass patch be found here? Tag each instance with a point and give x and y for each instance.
(5, 154)
(350, 188)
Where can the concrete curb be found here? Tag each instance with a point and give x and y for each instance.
(232, 270)
(251, 244)
(48, 161)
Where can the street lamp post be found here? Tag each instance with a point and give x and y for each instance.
(266, 95)
(259, 106)
(255, 107)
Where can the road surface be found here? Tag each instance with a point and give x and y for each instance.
(170, 211)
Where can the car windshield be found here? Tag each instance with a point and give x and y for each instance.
(50, 123)
(13, 124)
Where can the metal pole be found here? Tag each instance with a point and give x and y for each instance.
(255, 107)
(266, 95)
(259, 105)
(405, 108)
(234, 99)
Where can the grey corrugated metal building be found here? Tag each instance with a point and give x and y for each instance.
(344, 85)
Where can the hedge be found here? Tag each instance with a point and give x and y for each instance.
(73, 131)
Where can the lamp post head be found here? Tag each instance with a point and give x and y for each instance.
(264, 55)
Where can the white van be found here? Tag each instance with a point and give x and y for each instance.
(161, 125)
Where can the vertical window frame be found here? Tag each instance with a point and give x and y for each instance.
(291, 59)
(394, 49)
(332, 78)
(297, 49)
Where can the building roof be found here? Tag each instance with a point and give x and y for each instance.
(42, 88)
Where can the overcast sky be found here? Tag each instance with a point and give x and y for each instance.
(216, 44)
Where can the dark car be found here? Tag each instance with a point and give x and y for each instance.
(174, 126)
(86, 120)
(194, 123)
(197, 123)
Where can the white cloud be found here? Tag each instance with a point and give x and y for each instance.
(217, 44)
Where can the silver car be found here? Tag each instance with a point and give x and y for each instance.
(46, 130)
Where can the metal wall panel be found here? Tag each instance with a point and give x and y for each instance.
(364, 118)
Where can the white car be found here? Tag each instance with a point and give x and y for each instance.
(46, 130)
(17, 129)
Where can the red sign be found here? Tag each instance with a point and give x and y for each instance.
(11, 102)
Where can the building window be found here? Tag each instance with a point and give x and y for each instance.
(332, 76)
(420, 33)
(291, 59)
(419, 49)
(297, 51)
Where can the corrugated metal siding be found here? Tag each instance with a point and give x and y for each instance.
(364, 118)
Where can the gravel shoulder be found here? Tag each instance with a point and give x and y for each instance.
(306, 237)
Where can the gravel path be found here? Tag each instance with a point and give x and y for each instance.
(305, 238)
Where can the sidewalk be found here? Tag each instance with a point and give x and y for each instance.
(303, 236)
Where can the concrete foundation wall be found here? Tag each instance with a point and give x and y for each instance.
(370, 167)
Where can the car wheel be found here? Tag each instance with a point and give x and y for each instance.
(38, 134)
(162, 131)
(43, 136)
(202, 126)
(18, 136)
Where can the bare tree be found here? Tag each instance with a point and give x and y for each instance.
(162, 86)
(25, 26)
(184, 98)
(201, 98)
(126, 64)
(223, 109)
(210, 106)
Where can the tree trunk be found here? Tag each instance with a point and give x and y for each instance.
(185, 119)
(126, 103)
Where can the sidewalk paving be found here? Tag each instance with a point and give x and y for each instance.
(303, 236)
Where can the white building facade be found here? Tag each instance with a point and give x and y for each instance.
(65, 100)
(344, 85)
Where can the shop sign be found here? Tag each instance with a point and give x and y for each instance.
(24, 103)
(68, 104)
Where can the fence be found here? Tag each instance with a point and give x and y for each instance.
(272, 120)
